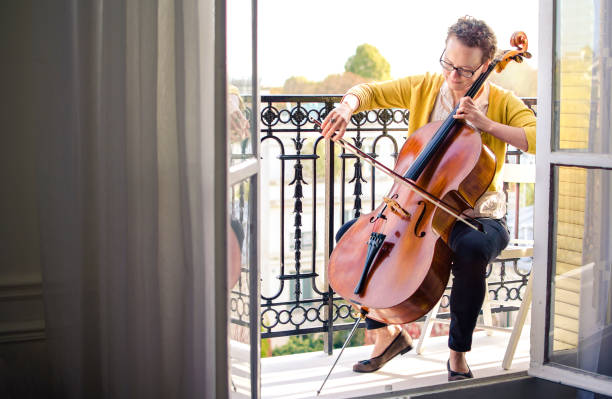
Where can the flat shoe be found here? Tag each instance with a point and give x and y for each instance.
(400, 345)
(455, 375)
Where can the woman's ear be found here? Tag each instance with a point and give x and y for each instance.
(486, 65)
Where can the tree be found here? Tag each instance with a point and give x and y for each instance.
(332, 84)
(369, 63)
(339, 83)
(298, 85)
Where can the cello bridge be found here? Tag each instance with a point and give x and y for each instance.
(396, 208)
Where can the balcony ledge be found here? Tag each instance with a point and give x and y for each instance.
(301, 375)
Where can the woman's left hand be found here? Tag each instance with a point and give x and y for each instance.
(469, 112)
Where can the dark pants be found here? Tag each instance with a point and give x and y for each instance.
(472, 251)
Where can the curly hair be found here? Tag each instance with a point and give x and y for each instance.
(473, 32)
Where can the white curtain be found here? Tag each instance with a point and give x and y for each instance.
(124, 194)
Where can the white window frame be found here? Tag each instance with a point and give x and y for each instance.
(546, 160)
(249, 170)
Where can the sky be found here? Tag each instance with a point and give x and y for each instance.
(314, 38)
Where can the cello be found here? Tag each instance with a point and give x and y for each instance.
(394, 263)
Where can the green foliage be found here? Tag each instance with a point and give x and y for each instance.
(527, 193)
(314, 343)
(299, 344)
(369, 63)
(357, 339)
(266, 350)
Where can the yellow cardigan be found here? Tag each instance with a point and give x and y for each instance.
(418, 94)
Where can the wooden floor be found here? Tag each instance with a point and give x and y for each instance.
(300, 375)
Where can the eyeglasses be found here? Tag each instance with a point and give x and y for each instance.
(466, 73)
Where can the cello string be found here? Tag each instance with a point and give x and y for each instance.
(438, 203)
(518, 40)
(411, 185)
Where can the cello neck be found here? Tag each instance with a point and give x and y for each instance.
(472, 91)
(445, 129)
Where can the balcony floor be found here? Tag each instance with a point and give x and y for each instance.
(300, 375)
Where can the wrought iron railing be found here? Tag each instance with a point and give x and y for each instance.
(297, 179)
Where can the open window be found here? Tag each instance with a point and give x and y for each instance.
(243, 199)
(572, 311)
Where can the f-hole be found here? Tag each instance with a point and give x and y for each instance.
(416, 226)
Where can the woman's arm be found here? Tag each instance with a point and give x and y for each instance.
(338, 119)
(389, 94)
(513, 135)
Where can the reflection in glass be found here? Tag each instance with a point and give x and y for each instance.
(239, 111)
(240, 78)
(239, 241)
(241, 246)
(581, 302)
(583, 83)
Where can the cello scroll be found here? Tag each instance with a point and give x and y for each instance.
(518, 40)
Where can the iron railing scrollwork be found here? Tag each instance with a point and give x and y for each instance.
(293, 300)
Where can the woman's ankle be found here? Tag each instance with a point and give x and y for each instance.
(458, 362)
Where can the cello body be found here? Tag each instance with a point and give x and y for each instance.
(411, 269)
(394, 263)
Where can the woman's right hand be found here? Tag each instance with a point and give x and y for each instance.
(334, 125)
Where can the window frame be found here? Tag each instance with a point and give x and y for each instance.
(248, 169)
(546, 161)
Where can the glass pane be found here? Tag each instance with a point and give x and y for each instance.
(581, 296)
(583, 83)
(240, 78)
(239, 242)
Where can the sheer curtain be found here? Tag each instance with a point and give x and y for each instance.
(124, 188)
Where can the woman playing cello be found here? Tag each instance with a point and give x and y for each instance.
(501, 118)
